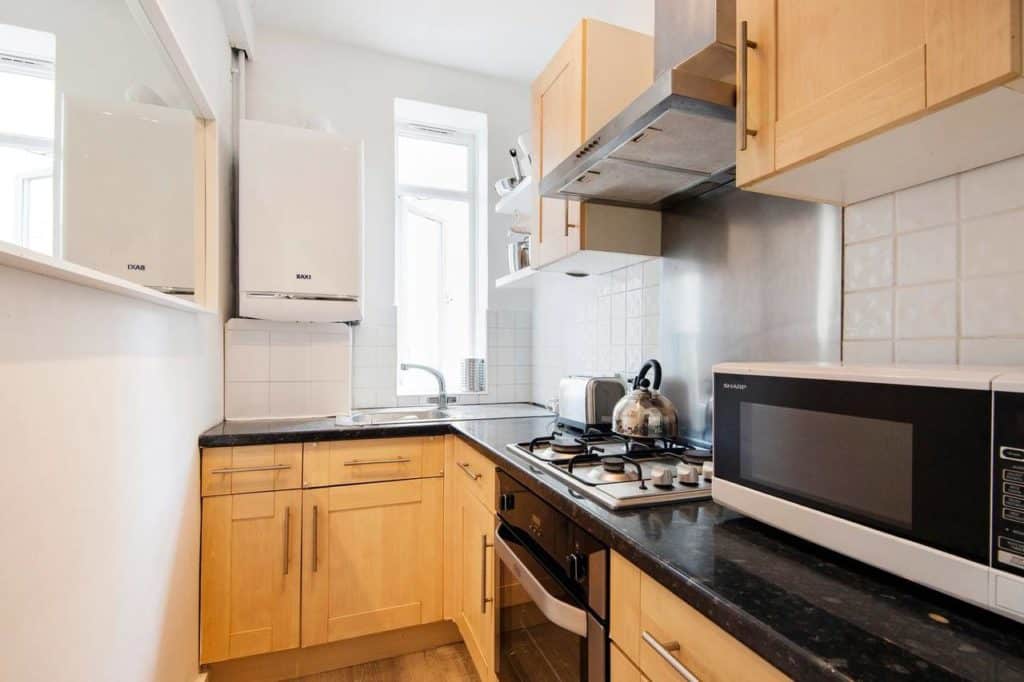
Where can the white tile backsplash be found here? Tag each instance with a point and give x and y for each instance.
(992, 189)
(868, 219)
(281, 370)
(868, 352)
(868, 265)
(927, 311)
(927, 205)
(994, 306)
(868, 315)
(993, 244)
(926, 256)
(959, 272)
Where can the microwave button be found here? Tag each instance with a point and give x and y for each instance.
(1010, 559)
(1013, 475)
(1012, 453)
(1015, 502)
(1013, 489)
(1015, 546)
(1014, 515)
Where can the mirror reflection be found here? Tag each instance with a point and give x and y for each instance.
(101, 155)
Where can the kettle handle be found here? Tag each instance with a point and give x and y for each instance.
(651, 364)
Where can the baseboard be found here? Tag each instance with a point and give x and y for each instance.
(284, 665)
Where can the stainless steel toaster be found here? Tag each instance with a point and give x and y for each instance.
(585, 402)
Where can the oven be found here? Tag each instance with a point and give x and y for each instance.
(893, 466)
(552, 592)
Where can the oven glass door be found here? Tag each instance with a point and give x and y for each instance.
(542, 628)
(911, 461)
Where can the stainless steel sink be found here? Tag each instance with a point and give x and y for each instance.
(394, 415)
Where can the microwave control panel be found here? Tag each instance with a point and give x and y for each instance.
(1008, 483)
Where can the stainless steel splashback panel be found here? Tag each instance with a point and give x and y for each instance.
(745, 276)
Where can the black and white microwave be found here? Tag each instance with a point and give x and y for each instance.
(918, 471)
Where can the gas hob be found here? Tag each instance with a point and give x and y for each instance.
(619, 472)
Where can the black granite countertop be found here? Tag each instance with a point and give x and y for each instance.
(813, 613)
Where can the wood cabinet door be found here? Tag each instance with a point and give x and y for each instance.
(755, 155)
(557, 97)
(845, 70)
(371, 558)
(250, 574)
(477, 576)
(972, 45)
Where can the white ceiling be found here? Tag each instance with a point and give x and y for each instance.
(509, 38)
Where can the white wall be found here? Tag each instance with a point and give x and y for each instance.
(602, 325)
(101, 401)
(934, 274)
(296, 79)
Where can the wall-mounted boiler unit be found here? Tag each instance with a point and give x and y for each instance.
(300, 237)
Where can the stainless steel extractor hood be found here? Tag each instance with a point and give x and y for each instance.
(677, 139)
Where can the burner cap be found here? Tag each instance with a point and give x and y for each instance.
(614, 465)
(567, 445)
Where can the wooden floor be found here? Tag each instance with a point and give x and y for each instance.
(445, 664)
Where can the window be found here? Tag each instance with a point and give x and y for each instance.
(439, 241)
(27, 124)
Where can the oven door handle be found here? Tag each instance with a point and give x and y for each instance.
(563, 615)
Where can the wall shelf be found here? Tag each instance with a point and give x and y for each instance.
(520, 200)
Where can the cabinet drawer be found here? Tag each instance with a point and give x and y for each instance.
(476, 473)
(251, 469)
(372, 459)
(622, 669)
(674, 636)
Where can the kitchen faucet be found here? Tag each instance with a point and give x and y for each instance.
(442, 394)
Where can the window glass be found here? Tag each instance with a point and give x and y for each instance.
(28, 108)
(433, 163)
(436, 257)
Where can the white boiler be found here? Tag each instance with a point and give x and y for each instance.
(300, 241)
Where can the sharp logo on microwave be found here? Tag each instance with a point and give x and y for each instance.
(137, 266)
(303, 275)
(735, 387)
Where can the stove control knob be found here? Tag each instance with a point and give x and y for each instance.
(688, 474)
(661, 476)
(577, 566)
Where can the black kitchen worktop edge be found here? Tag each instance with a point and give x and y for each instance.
(813, 614)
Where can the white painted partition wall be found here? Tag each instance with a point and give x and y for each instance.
(101, 399)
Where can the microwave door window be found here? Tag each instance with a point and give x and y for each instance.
(862, 466)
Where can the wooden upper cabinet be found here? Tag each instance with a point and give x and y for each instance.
(755, 153)
(596, 73)
(845, 70)
(371, 558)
(972, 44)
(250, 574)
(846, 95)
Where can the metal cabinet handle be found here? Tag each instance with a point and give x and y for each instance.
(364, 462)
(484, 545)
(242, 470)
(469, 472)
(287, 536)
(316, 539)
(742, 131)
(663, 651)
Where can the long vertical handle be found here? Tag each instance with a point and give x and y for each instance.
(484, 545)
(287, 537)
(316, 539)
(566, 217)
(742, 93)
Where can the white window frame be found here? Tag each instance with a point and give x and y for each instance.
(470, 195)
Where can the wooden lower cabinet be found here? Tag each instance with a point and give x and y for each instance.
(372, 558)
(477, 583)
(662, 635)
(250, 574)
(622, 669)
